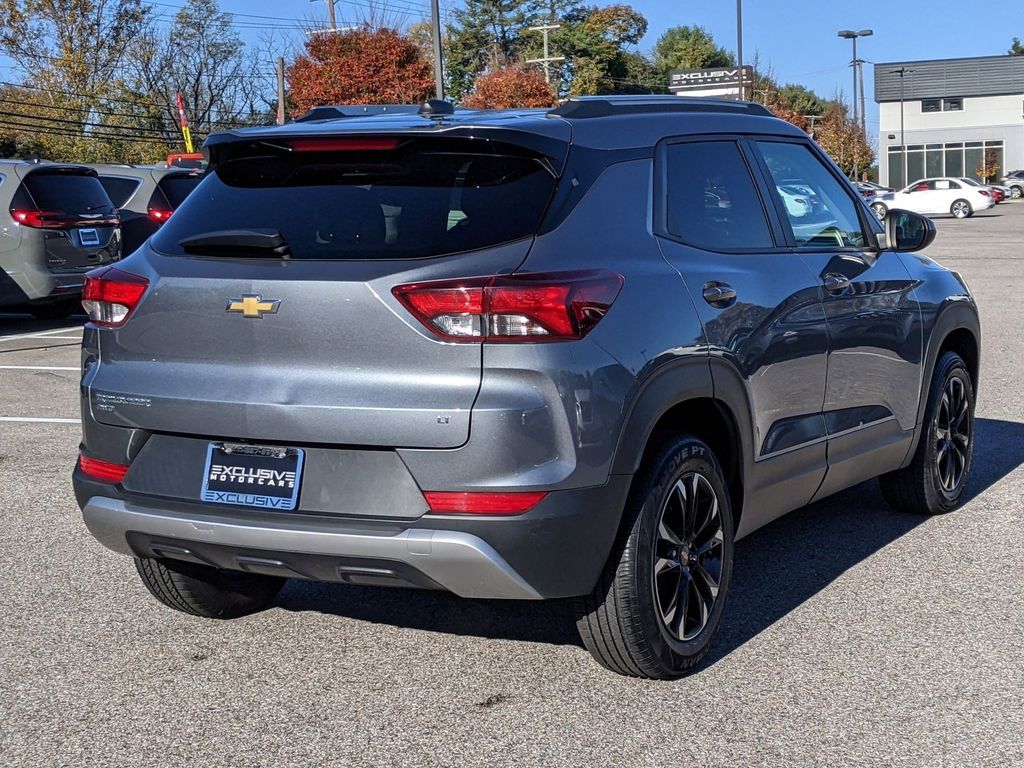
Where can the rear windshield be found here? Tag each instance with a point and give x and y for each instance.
(67, 192)
(397, 200)
(176, 188)
(119, 188)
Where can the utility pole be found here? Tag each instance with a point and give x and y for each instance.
(280, 90)
(546, 60)
(902, 72)
(435, 32)
(863, 118)
(739, 45)
(330, 14)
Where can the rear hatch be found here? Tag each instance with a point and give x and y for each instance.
(78, 221)
(270, 314)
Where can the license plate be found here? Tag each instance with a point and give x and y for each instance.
(260, 476)
(88, 237)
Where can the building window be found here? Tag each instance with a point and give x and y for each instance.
(931, 105)
(952, 105)
(954, 159)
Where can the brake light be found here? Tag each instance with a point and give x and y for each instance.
(476, 503)
(984, 192)
(159, 215)
(59, 220)
(505, 308)
(344, 144)
(105, 471)
(109, 295)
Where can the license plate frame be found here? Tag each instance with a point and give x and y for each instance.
(244, 475)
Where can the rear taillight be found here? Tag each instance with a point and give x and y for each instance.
(984, 192)
(482, 503)
(160, 215)
(104, 471)
(109, 295)
(59, 220)
(505, 308)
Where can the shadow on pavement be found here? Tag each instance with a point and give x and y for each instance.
(776, 569)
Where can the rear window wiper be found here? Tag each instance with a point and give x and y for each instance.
(259, 243)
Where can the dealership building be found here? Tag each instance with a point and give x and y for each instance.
(957, 115)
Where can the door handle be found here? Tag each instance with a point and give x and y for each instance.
(835, 283)
(718, 294)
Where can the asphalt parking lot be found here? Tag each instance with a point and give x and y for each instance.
(853, 636)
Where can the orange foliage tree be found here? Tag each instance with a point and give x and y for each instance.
(360, 66)
(509, 88)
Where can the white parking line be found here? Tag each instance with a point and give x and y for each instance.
(39, 368)
(37, 420)
(43, 334)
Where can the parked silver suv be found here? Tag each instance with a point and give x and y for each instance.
(528, 354)
(56, 223)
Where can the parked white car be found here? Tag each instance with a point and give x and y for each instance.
(936, 196)
(798, 204)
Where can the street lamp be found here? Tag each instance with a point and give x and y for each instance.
(850, 34)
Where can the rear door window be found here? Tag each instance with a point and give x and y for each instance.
(820, 210)
(369, 197)
(712, 200)
(67, 192)
(119, 189)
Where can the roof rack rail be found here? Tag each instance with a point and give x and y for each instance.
(356, 110)
(583, 107)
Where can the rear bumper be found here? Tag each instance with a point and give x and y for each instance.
(556, 550)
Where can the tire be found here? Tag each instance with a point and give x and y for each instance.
(880, 210)
(930, 484)
(202, 590)
(628, 622)
(961, 209)
(57, 310)
(1016, 192)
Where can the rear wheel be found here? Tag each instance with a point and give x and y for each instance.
(936, 477)
(657, 607)
(961, 209)
(202, 590)
(1016, 192)
(880, 211)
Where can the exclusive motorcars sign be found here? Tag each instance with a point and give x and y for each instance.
(720, 81)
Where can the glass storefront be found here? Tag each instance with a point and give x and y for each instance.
(952, 159)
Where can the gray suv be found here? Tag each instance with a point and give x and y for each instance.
(56, 223)
(529, 354)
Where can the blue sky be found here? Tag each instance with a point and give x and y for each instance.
(797, 38)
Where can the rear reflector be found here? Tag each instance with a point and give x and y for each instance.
(109, 295)
(459, 503)
(530, 307)
(159, 215)
(105, 471)
(343, 144)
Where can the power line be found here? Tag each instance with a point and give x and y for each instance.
(83, 123)
(58, 131)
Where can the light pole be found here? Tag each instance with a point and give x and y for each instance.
(739, 45)
(902, 71)
(850, 34)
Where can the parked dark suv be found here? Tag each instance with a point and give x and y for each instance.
(529, 354)
(56, 223)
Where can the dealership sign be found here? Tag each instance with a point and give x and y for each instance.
(722, 81)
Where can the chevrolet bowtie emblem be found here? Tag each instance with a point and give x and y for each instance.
(253, 305)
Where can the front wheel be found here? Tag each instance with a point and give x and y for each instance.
(202, 590)
(1016, 192)
(961, 209)
(935, 479)
(880, 211)
(657, 607)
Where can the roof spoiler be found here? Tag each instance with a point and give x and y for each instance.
(356, 110)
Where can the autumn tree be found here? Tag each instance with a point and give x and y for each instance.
(841, 137)
(508, 88)
(989, 167)
(687, 47)
(361, 66)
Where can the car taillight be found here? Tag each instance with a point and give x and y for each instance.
(984, 192)
(506, 308)
(160, 215)
(109, 295)
(59, 220)
(482, 503)
(105, 471)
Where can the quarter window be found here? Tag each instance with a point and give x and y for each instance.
(712, 201)
(819, 210)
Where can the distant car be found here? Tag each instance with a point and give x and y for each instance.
(145, 197)
(56, 224)
(798, 203)
(1014, 181)
(934, 197)
(869, 190)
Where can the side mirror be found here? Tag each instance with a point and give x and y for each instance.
(908, 231)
